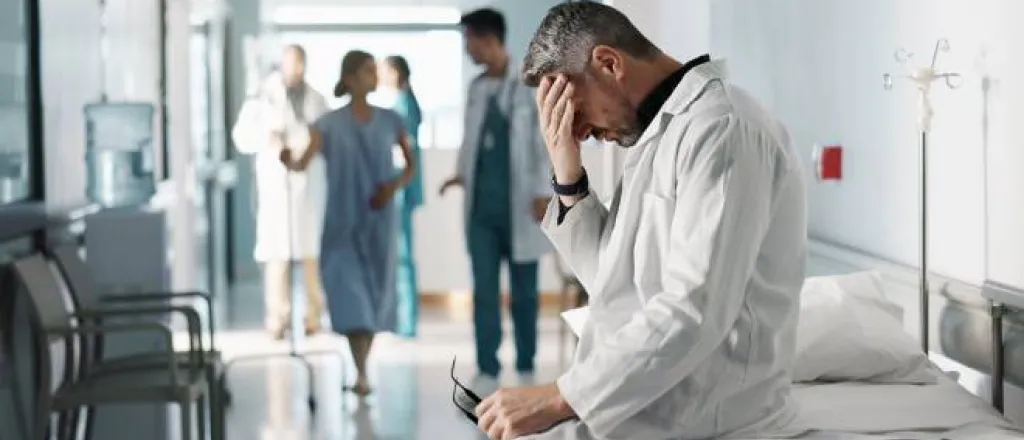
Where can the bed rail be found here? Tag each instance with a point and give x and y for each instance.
(1001, 297)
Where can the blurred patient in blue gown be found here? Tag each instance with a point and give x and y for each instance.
(359, 241)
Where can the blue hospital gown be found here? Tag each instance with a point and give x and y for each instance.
(358, 245)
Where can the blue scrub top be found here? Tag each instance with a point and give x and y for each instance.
(492, 196)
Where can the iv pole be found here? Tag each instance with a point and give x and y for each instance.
(924, 77)
(293, 351)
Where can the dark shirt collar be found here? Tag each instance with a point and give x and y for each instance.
(651, 104)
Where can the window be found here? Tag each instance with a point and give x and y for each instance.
(435, 58)
(16, 139)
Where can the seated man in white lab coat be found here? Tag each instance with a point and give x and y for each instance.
(695, 268)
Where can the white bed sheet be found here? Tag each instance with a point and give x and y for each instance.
(944, 410)
(860, 411)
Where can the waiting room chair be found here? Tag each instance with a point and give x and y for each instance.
(90, 385)
(86, 297)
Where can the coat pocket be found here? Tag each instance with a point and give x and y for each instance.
(652, 242)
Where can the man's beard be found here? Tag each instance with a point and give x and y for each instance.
(628, 137)
(630, 132)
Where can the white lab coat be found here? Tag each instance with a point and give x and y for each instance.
(277, 211)
(531, 168)
(694, 274)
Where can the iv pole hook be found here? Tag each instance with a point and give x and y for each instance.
(923, 77)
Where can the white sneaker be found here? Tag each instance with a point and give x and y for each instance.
(484, 385)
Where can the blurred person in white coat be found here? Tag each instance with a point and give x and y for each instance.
(694, 269)
(290, 204)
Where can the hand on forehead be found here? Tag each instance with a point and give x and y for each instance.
(552, 77)
(552, 87)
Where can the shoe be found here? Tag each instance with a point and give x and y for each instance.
(276, 334)
(484, 385)
(361, 388)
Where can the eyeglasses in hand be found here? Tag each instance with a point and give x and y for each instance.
(465, 399)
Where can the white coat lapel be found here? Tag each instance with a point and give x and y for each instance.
(688, 90)
(615, 257)
(638, 169)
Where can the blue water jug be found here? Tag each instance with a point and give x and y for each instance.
(119, 153)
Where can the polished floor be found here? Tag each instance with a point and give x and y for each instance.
(412, 386)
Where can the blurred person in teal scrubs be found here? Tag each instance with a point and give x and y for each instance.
(504, 169)
(395, 73)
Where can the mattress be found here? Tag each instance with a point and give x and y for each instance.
(874, 411)
(860, 411)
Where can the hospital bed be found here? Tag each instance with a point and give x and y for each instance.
(852, 410)
(858, 375)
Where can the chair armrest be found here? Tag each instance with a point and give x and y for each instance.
(194, 326)
(162, 330)
(137, 297)
(151, 295)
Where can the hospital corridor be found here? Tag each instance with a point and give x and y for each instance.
(511, 220)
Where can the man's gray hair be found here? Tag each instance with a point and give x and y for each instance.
(569, 33)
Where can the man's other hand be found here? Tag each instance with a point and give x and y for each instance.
(285, 156)
(511, 413)
(454, 181)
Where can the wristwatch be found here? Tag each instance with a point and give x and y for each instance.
(579, 188)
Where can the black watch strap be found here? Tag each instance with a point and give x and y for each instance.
(574, 189)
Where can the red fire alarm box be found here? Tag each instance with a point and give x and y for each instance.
(829, 160)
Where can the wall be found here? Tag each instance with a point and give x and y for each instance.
(244, 22)
(71, 78)
(680, 28)
(822, 73)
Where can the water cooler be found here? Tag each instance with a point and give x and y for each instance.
(119, 153)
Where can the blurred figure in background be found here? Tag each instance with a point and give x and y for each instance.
(395, 72)
(359, 243)
(504, 169)
(290, 205)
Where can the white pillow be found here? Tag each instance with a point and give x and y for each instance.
(849, 331)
